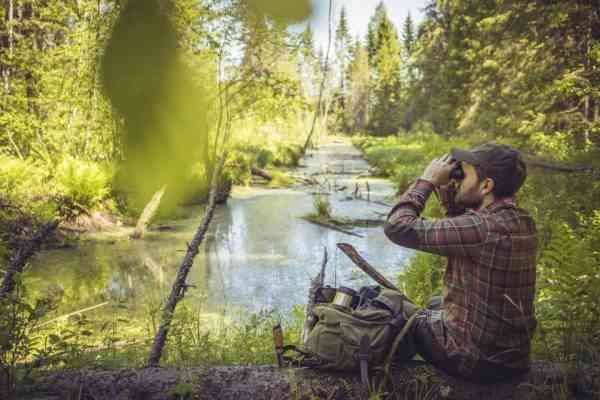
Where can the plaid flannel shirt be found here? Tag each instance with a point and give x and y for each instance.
(489, 281)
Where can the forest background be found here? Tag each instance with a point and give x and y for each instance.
(523, 73)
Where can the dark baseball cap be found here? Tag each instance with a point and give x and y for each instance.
(500, 162)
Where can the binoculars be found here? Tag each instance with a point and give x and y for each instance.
(457, 172)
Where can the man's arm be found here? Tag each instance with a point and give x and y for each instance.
(458, 236)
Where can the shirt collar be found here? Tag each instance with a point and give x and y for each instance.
(500, 203)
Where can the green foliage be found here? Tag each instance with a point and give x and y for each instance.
(386, 111)
(569, 290)
(357, 110)
(280, 179)
(182, 391)
(511, 69)
(403, 158)
(21, 349)
(422, 278)
(86, 183)
(197, 337)
(252, 153)
(322, 206)
(23, 181)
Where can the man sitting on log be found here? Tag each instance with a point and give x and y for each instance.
(481, 329)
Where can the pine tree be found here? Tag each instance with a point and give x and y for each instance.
(386, 111)
(309, 66)
(408, 34)
(372, 36)
(307, 41)
(342, 46)
(357, 112)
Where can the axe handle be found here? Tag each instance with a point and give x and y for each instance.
(361, 263)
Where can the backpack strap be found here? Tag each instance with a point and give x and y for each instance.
(395, 344)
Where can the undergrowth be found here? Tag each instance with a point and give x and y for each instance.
(34, 340)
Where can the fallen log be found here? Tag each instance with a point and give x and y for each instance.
(536, 162)
(261, 172)
(270, 382)
(331, 226)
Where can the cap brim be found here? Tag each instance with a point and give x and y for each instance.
(464, 155)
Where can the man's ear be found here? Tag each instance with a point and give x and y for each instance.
(487, 186)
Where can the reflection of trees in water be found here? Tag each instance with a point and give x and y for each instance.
(217, 252)
(85, 278)
(156, 269)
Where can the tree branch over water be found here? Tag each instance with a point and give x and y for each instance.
(180, 286)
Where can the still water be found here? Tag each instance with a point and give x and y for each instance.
(259, 255)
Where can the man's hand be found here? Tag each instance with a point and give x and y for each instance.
(438, 171)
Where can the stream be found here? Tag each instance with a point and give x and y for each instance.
(259, 254)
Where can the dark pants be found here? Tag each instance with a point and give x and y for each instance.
(424, 343)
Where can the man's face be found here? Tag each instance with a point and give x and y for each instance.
(469, 193)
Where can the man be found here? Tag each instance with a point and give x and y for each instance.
(483, 329)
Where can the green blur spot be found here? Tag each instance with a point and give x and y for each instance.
(163, 104)
(284, 11)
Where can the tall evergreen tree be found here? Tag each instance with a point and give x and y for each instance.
(309, 67)
(343, 42)
(372, 29)
(387, 101)
(408, 34)
(357, 113)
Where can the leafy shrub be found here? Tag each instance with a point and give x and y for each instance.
(322, 206)
(85, 182)
(280, 179)
(403, 158)
(21, 180)
(422, 278)
(244, 155)
(287, 155)
(20, 349)
(568, 301)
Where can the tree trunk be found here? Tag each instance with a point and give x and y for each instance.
(11, 42)
(180, 286)
(269, 382)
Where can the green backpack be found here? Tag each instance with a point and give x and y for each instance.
(335, 340)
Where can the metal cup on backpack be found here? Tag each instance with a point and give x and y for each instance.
(344, 297)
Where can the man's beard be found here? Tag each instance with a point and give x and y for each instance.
(470, 199)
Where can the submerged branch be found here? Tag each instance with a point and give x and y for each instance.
(148, 213)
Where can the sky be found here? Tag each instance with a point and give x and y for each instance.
(359, 12)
